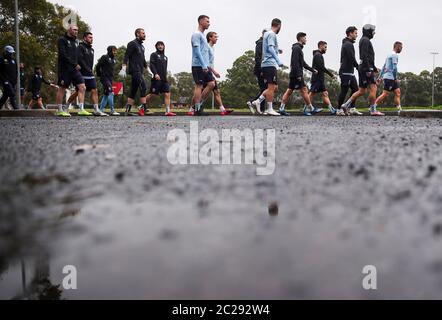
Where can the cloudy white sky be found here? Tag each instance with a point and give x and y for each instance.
(416, 23)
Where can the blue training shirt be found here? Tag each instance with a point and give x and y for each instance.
(390, 69)
(269, 40)
(200, 50)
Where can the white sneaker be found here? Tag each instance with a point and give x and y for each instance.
(340, 113)
(115, 114)
(355, 112)
(250, 105)
(272, 113)
(99, 113)
(257, 105)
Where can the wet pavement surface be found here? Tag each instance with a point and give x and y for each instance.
(99, 194)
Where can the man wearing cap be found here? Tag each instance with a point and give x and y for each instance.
(8, 77)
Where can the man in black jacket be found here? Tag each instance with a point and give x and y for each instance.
(36, 81)
(134, 57)
(347, 71)
(8, 77)
(159, 84)
(69, 71)
(367, 71)
(105, 71)
(318, 80)
(86, 62)
(257, 71)
(297, 65)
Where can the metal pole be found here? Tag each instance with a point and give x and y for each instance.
(17, 54)
(434, 68)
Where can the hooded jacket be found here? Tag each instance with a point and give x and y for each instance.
(67, 53)
(134, 57)
(8, 69)
(36, 81)
(158, 64)
(258, 56)
(86, 59)
(106, 65)
(366, 52)
(348, 58)
(319, 64)
(297, 62)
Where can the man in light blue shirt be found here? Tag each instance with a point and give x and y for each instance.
(204, 81)
(269, 65)
(389, 74)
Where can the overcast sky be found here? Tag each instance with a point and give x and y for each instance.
(417, 24)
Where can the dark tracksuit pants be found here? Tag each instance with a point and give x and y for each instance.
(8, 93)
(347, 82)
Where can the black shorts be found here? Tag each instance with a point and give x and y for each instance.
(65, 79)
(91, 84)
(318, 87)
(296, 84)
(138, 83)
(200, 77)
(270, 75)
(159, 86)
(365, 81)
(36, 95)
(349, 81)
(390, 85)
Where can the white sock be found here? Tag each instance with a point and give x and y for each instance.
(81, 106)
(96, 108)
(261, 99)
(222, 109)
(60, 108)
(167, 109)
(282, 106)
(269, 106)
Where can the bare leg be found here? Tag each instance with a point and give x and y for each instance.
(208, 89)
(286, 96)
(167, 98)
(372, 96)
(40, 103)
(94, 96)
(73, 97)
(81, 93)
(60, 95)
(382, 97)
(397, 97)
(326, 98)
(305, 96)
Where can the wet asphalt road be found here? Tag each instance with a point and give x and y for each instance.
(346, 193)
